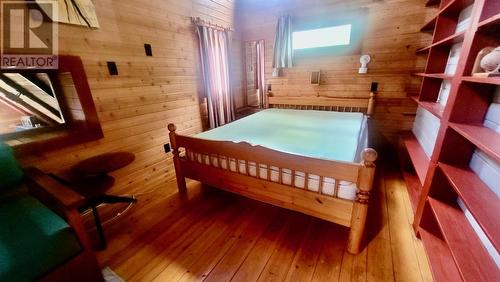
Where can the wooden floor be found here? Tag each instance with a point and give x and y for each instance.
(217, 236)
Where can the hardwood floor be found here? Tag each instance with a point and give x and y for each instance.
(211, 235)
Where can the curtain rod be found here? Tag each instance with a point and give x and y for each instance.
(199, 21)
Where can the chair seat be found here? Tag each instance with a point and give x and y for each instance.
(33, 239)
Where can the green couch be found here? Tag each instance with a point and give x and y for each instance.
(38, 242)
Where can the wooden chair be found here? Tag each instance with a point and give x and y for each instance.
(65, 202)
(42, 235)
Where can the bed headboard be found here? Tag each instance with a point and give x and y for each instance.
(364, 105)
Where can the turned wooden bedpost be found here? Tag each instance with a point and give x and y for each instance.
(181, 180)
(360, 208)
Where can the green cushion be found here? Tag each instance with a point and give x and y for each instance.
(33, 239)
(11, 174)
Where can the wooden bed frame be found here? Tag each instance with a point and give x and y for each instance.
(210, 163)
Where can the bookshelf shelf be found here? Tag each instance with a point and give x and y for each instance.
(485, 80)
(414, 188)
(430, 25)
(454, 7)
(431, 3)
(418, 157)
(489, 22)
(481, 201)
(484, 138)
(434, 75)
(470, 256)
(433, 107)
(457, 37)
(439, 255)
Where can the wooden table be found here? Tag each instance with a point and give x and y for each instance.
(90, 179)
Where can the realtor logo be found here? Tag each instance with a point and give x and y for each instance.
(28, 35)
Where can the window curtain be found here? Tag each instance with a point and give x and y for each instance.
(261, 73)
(283, 49)
(214, 53)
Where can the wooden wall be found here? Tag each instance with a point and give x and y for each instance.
(149, 92)
(391, 38)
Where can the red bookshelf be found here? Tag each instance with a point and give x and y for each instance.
(430, 25)
(491, 21)
(472, 259)
(440, 256)
(480, 201)
(435, 75)
(417, 155)
(454, 249)
(485, 80)
(484, 138)
(433, 107)
(431, 3)
(454, 38)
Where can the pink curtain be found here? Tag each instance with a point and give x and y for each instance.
(261, 73)
(214, 52)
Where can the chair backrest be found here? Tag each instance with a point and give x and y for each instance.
(11, 174)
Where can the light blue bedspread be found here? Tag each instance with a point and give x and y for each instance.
(318, 134)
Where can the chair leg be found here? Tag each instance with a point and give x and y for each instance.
(98, 226)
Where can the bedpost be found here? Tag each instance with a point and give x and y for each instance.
(181, 180)
(371, 105)
(360, 208)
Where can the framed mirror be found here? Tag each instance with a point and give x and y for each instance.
(45, 109)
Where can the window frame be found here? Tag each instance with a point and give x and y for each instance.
(357, 20)
(318, 29)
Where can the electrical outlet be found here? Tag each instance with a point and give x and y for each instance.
(112, 68)
(167, 148)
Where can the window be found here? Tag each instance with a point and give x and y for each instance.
(322, 37)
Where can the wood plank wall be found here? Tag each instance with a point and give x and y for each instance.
(391, 38)
(149, 92)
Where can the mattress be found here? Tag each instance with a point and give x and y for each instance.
(317, 134)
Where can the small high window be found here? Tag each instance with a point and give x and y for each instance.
(322, 37)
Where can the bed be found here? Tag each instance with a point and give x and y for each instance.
(305, 154)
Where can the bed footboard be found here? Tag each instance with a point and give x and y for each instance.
(312, 186)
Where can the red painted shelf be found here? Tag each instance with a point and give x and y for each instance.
(484, 138)
(439, 256)
(485, 80)
(457, 37)
(430, 25)
(434, 108)
(471, 257)
(434, 75)
(418, 157)
(414, 188)
(454, 7)
(479, 199)
(432, 3)
(414, 98)
(489, 22)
